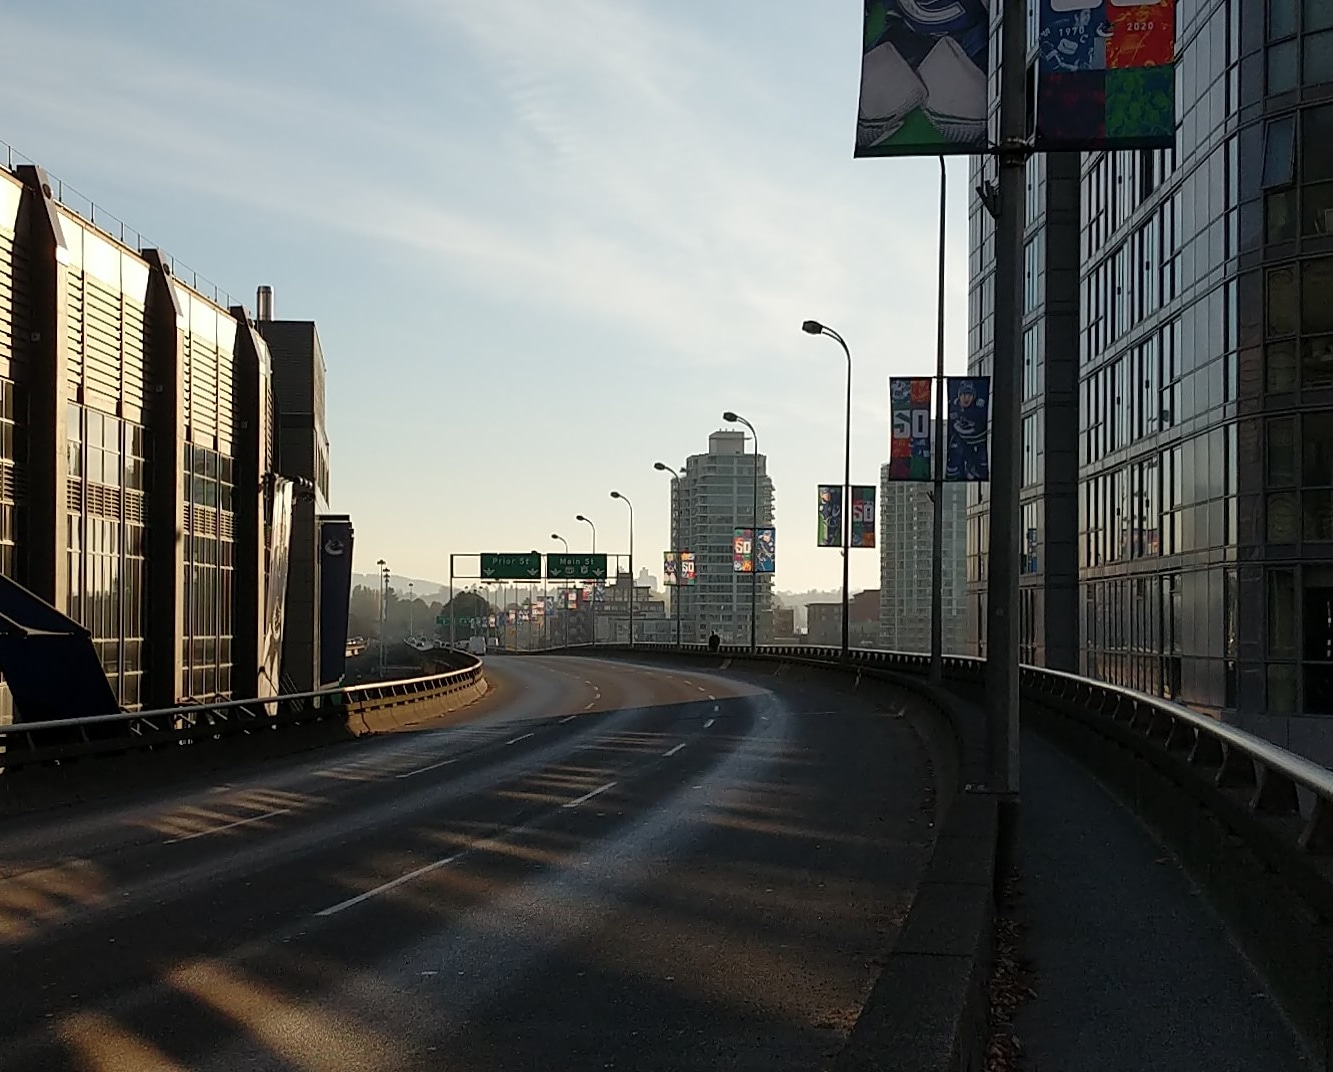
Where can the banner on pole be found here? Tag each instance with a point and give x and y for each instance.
(923, 78)
(863, 516)
(765, 550)
(1106, 75)
(830, 515)
(685, 574)
(670, 564)
(742, 551)
(909, 428)
(969, 421)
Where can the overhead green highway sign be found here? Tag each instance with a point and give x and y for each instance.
(564, 567)
(524, 566)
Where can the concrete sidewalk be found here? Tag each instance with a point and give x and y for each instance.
(1133, 969)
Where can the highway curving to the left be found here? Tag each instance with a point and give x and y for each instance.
(602, 864)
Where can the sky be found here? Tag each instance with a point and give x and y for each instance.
(546, 244)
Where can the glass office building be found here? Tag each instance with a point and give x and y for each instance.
(1193, 479)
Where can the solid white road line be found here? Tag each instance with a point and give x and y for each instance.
(588, 796)
(673, 751)
(423, 770)
(517, 739)
(385, 887)
(228, 826)
(709, 723)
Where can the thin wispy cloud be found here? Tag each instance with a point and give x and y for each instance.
(611, 190)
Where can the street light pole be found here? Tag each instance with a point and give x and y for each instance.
(814, 327)
(564, 611)
(754, 535)
(384, 610)
(592, 609)
(675, 543)
(411, 632)
(937, 532)
(617, 495)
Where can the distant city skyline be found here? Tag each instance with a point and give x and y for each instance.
(595, 239)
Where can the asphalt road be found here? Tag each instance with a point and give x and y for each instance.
(603, 866)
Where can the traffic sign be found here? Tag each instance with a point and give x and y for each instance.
(524, 566)
(576, 567)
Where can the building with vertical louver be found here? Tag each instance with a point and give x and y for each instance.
(139, 464)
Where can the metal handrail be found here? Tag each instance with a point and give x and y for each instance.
(20, 728)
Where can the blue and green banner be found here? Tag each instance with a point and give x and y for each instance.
(967, 458)
(923, 78)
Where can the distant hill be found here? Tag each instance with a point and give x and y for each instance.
(421, 588)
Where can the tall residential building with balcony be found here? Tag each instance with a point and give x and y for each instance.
(709, 501)
(1180, 469)
(906, 525)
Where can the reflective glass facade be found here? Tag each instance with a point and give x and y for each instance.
(1202, 366)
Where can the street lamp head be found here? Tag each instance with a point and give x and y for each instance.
(660, 467)
(579, 517)
(729, 416)
(813, 327)
(616, 495)
(555, 535)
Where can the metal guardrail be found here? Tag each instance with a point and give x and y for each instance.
(1290, 794)
(30, 743)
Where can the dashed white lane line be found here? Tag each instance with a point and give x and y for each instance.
(569, 718)
(588, 796)
(712, 697)
(700, 688)
(385, 887)
(228, 826)
(673, 751)
(515, 740)
(423, 770)
(588, 707)
(709, 723)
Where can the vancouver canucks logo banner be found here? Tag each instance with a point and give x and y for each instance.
(968, 423)
(923, 78)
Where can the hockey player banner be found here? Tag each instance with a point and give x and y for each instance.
(830, 515)
(909, 428)
(968, 424)
(765, 550)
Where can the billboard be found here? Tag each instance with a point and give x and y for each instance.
(1106, 75)
(909, 428)
(766, 550)
(335, 593)
(863, 516)
(830, 515)
(685, 573)
(742, 551)
(969, 419)
(923, 78)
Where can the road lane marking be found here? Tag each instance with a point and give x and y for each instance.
(709, 723)
(386, 886)
(569, 718)
(588, 796)
(673, 751)
(588, 707)
(423, 770)
(228, 826)
(517, 739)
(701, 689)
(712, 697)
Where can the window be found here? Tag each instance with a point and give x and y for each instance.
(1281, 302)
(1317, 449)
(1281, 19)
(1279, 152)
(1317, 55)
(1281, 452)
(1316, 288)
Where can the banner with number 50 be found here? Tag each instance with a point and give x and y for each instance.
(909, 428)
